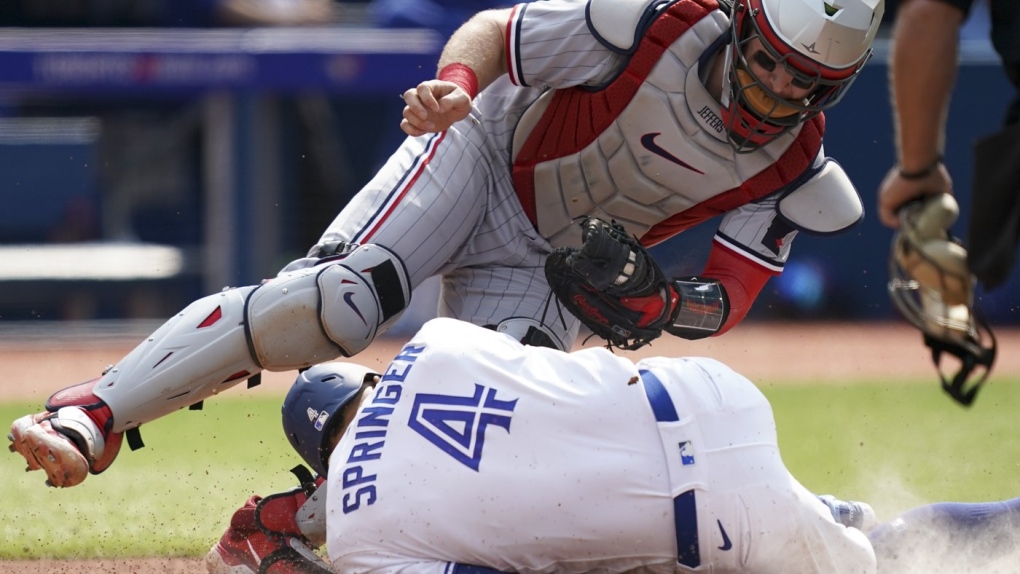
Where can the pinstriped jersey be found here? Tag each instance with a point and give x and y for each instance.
(637, 137)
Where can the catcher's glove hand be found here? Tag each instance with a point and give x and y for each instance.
(612, 285)
(932, 288)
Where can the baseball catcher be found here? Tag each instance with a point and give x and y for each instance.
(931, 285)
(617, 290)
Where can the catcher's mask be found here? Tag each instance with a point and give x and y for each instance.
(932, 288)
(311, 409)
(821, 44)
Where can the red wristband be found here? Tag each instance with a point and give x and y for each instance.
(461, 75)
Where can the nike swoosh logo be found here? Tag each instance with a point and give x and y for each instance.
(726, 544)
(648, 140)
(349, 299)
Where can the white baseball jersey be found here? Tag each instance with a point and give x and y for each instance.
(477, 450)
(580, 126)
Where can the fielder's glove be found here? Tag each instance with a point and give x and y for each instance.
(932, 288)
(613, 286)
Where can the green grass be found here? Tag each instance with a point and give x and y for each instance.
(895, 445)
(172, 498)
(899, 445)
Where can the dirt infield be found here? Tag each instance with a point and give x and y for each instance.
(37, 362)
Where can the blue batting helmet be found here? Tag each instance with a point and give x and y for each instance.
(312, 406)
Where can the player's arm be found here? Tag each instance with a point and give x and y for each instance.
(922, 73)
(615, 287)
(754, 241)
(709, 304)
(740, 279)
(618, 290)
(471, 60)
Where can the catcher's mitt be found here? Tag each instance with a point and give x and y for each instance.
(612, 285)
(932, 288)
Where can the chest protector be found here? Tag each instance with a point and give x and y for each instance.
(648, 149)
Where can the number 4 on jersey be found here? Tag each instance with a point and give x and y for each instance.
(457, 424)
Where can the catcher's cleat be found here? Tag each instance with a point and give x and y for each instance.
(71, 439)
(36, 439)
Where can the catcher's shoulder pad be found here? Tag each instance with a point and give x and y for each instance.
(619, 23)
(826, 203)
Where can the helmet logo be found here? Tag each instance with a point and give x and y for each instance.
(318, 419)
(321, 421)
(811, 48)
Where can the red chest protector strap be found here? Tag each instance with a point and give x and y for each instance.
(797, 158)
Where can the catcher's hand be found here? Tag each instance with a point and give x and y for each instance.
(612, 285)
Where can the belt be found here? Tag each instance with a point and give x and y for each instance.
(685, 512)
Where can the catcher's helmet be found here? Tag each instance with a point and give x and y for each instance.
(822, 44)
(311, 407)
(932, 288)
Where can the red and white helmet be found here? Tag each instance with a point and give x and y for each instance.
(822, 44)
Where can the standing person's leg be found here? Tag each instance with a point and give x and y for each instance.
(424, 204)
(292, 321)
(499, 279)
(446, 205)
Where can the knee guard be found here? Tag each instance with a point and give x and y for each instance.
(290, 322)
(336, 308)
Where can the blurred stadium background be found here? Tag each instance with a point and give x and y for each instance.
(146, 166)
(146, 163)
